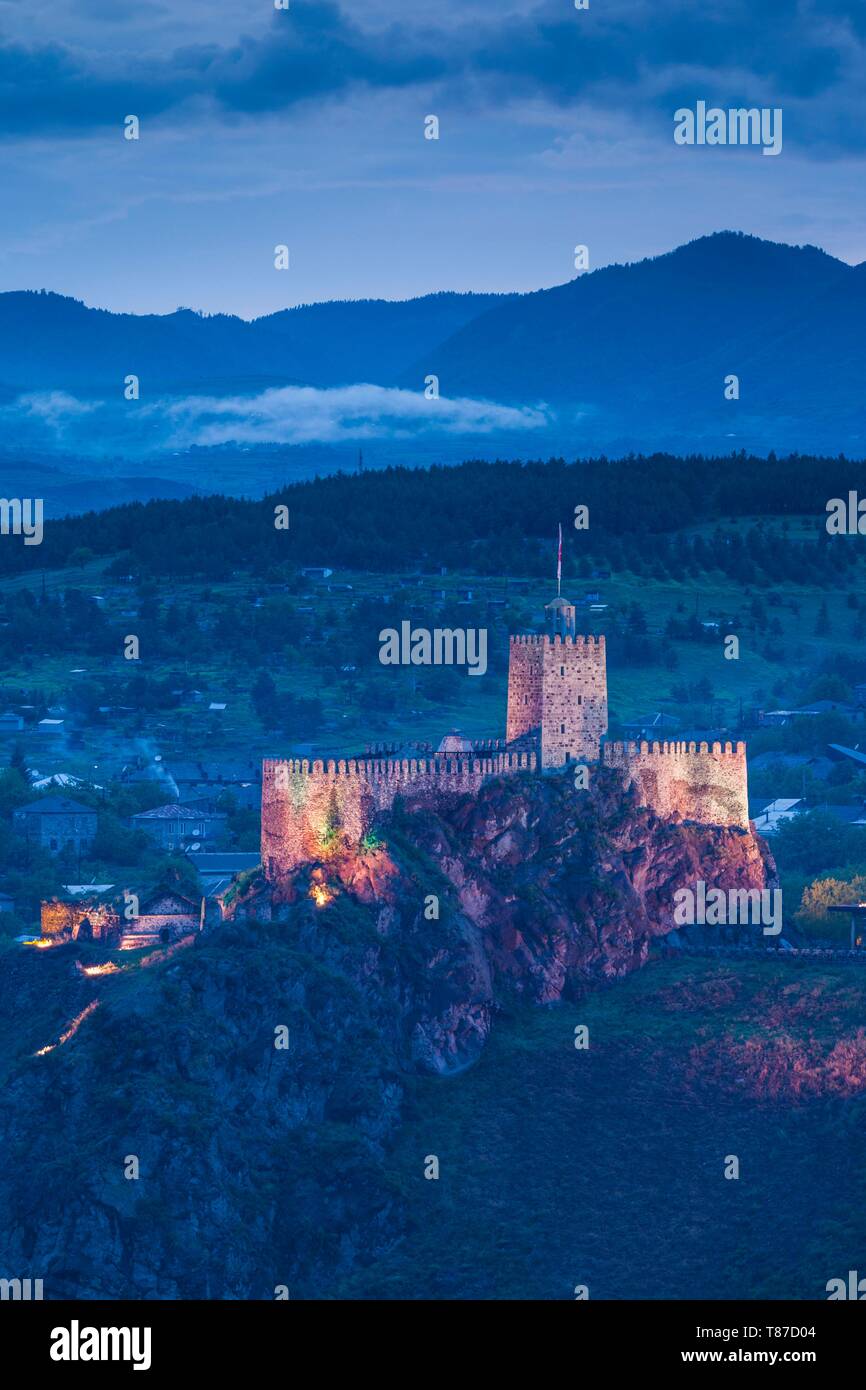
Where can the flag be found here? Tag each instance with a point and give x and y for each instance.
(559, 562)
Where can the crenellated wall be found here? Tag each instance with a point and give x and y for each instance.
(305, 803)
(557, 692)
(699, 781)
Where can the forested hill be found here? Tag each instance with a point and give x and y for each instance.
(328, 344)
(494, 517)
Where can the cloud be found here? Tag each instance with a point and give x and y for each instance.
(637, 56)
(286, 415)
(306, 415)
(312, 51)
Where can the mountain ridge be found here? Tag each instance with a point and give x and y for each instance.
(630, 357)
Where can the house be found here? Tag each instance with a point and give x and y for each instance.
(59, 779)
(173, 827)
(316, 572)
(832, 707)
(780, 718)
(247, 797)
(817, 767)
(11, 723)
(58, 824)
(217, 871)
(769, 816)
(775, 718)
(839, 752)
(201, 776)
(93, 914)
(50, 728)
(660, 725)
(155, 771)
(162, 917)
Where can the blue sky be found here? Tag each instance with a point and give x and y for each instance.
(306, 127)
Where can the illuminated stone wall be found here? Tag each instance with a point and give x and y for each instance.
(697, 781)
(305, 803)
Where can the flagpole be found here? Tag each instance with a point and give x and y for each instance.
(559, 565)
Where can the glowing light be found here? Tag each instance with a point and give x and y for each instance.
(320, 894)
(72, 1029)
(41, 943)
(109, 968)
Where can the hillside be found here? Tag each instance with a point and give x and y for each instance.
(605, 1167)
(262, 1165)
(646, 348)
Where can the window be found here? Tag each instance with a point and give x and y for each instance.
(580, 699)
(562, 728)
(562, 670)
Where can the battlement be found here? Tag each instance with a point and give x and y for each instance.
(538, 640)
(672, 748)
(409, 770)
(305, 803)
(704, 782)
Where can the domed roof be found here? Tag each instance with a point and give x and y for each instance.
(559, 602)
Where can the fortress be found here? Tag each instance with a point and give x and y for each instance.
(557, 714)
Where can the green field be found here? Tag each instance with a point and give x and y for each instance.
(768, 665)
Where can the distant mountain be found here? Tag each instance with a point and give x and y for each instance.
(647, 347)
(50, 342)
(627, 358)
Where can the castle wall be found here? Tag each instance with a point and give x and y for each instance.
(304, 803)
(701, 782)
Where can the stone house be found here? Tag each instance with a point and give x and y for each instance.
(58, 824)
(174, 827)
(162, 917)
(82, 916)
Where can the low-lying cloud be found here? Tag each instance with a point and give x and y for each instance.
(286, 415)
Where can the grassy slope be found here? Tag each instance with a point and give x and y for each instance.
(479, 705)
(605, 1167)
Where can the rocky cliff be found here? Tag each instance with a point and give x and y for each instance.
(261, 1165)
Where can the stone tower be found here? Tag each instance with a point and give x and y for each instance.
(557, 690)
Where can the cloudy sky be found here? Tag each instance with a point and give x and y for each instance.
(306, 127)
